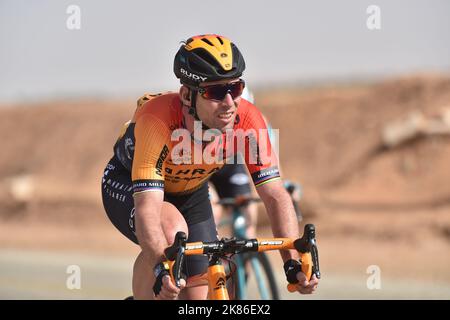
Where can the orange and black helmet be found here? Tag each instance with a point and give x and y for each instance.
(208, 57)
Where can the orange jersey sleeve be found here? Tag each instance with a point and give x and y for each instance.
(153, 119)
(151, 149)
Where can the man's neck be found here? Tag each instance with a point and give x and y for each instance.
(189, 124)
(188, 119)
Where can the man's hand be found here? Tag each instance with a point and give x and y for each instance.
(304, 286)
(164, 288)
(294, 275)
(169, 291)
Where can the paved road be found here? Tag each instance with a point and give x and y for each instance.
(43, 275)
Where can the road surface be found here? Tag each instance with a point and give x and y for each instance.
(46, 275)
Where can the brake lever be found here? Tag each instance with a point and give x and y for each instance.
(315, 258)
(307, 245)
(309, 254)
(175, 253)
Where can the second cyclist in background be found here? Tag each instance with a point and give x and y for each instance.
(233, 181)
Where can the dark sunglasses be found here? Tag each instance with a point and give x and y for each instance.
(219, 91)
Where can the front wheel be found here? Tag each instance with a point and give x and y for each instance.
(255, 281)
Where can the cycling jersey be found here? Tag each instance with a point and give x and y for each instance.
(145, 147)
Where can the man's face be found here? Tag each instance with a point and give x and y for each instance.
(218, 114)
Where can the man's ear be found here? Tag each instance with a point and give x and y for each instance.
(185, 95)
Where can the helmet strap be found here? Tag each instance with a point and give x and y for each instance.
(193, 107)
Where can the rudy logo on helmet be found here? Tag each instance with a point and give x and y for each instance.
(192, 76)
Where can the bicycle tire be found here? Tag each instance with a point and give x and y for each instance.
(265, 273)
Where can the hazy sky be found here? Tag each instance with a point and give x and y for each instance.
(127, 47)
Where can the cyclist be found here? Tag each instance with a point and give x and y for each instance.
(152, 188)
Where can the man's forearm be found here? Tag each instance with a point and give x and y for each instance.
(282, 219)
(149, 232)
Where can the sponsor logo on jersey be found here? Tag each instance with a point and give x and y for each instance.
(143, 185)
(129, 148)
(162, 157)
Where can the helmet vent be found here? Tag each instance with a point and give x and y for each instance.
(207, 41)
(220, 40)
(224, 72)
(205, 55)
(198, 67)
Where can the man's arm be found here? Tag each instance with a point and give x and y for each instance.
(148, 223)
(281, 214)
(284, 224)
(153, 242)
